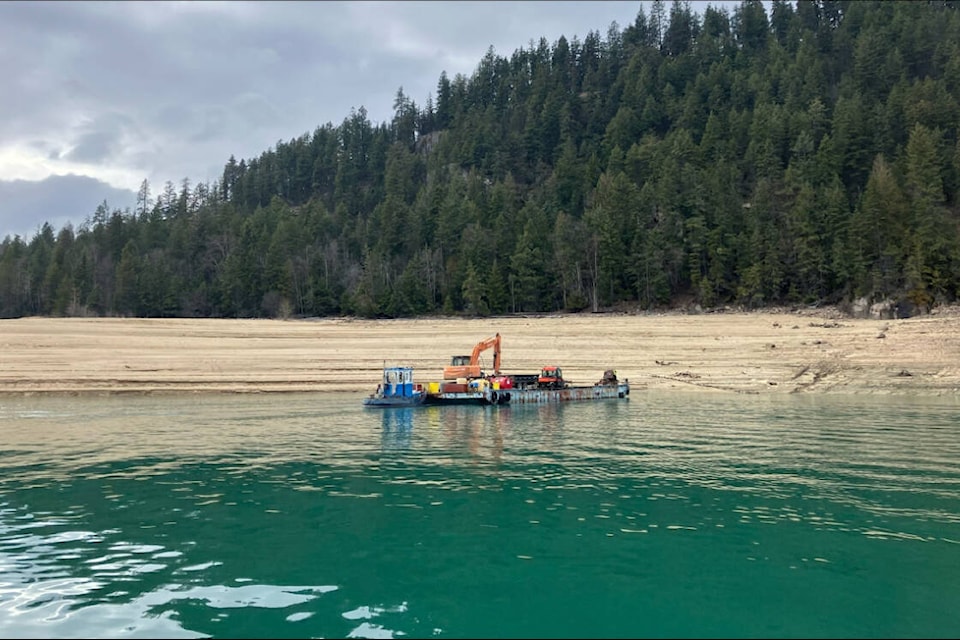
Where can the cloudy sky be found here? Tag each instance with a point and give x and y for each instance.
(99, 96)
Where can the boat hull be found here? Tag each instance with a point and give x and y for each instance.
(466, 397)
(569, 394)
(394, 401)
(620, 390)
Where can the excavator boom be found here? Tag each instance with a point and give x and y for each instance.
(472, 370)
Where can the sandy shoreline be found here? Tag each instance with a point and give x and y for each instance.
(808, 351)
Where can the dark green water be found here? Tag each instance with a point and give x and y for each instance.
(668, 515)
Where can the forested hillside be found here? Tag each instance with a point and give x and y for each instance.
(805, 156)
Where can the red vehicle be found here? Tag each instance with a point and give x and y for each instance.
(551, 378)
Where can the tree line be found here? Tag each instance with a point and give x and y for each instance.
(808, 156)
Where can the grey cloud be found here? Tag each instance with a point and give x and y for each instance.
(93, 147)
(25, 205)
(45, 148)
(100, 140)
(254, 110)
(212, 123)
(175, 116)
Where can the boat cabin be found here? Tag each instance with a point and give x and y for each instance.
(397, 382)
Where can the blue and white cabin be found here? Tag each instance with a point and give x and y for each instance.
(397, 382)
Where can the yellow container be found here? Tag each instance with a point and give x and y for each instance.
(433, 387)
(496, 386)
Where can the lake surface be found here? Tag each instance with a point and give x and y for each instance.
(666, 515)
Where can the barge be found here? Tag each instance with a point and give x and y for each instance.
(466, 383)
(525, 389)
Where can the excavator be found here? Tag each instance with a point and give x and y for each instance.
(469, 366)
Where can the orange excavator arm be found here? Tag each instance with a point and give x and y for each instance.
(472, 370)
(493, 342)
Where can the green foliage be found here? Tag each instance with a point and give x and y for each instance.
(804, 156)
(475, 292)
(529, 263)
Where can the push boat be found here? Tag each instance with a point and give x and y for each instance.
(465, 383)
(396, 390)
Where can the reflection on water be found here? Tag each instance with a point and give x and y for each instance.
(310, 516)
(397, 424)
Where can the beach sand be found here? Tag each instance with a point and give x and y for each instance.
(801, 351)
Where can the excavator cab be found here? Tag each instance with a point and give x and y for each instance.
(459, 361)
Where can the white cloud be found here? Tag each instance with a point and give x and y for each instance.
(29, 163)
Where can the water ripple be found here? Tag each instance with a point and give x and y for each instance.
(666, 513)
